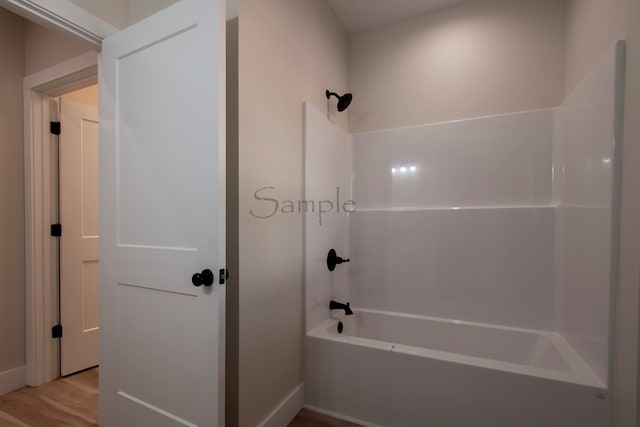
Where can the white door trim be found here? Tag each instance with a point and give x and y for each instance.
(41, 357)
(65, 16)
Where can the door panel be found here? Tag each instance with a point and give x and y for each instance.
(161, 216)
(158, 197)
(148, 308)
(79, 241)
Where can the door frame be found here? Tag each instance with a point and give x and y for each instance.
(42, 359)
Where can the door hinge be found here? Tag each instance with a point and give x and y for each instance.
(54, 128)
(224, 275)
(56, 230)
(56, 331)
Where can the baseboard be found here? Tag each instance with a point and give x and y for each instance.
(13, 379)
(286, 410)
(341, 417)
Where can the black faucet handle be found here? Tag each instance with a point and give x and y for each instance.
(333, 259)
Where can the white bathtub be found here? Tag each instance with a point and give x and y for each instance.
(390, 369)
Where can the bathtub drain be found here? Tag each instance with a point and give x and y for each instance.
(340, 327)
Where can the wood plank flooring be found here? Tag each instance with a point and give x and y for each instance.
(306, 418)
(71, 401)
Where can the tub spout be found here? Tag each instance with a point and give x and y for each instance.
(333, 305)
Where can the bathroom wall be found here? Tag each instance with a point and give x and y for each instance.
(476, 58)
(45, 48)
(491, 265)
(465, 231)
(291, 51)
(437, 203)
(585, 138)
(500, 160)
(327, 180)
(12, 323)
(593, 26)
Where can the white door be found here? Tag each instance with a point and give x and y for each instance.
(162, 219)
(79, 241)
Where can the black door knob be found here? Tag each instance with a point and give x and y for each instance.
(203, 278)
(333, 259)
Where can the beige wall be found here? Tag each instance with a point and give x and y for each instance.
(592, 26)
(122, 13)
(87, 95)
(45, 48)
(114, 12)
(12, 323)
(290, 51)
(140, 9)
(477, 58)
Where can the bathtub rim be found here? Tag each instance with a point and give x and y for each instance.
(580, 373)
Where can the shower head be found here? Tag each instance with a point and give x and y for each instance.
(343, 101)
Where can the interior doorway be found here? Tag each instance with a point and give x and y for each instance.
(45, 255)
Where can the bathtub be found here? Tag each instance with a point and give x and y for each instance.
(391, 369)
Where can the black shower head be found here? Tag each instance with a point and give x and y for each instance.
(343, 101)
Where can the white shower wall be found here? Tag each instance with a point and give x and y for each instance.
(584, 191)
(468, 234)
(492, 265)
(327, 169)
(501, 160)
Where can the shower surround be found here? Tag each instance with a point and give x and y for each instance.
(481, 266)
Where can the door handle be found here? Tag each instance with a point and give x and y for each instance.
(204, 278)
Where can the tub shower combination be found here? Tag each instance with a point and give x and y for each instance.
(479, 289)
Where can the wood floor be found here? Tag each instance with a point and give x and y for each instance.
(306, 418)
(73, 402)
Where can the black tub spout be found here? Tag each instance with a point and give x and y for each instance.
(334, 305)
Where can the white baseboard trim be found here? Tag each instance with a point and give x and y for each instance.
(13, 379)
(341, 417)
(286, 410)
